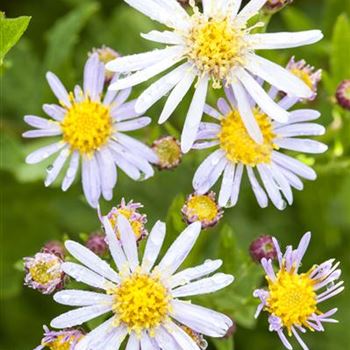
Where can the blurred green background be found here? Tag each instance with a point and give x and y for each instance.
(59, 36)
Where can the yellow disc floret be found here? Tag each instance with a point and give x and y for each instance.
(44, 272)
(215, 46)
(60, 343)
(305, 76)
(87, 126)
(141, 302)
(202, 207)
(239, 146)
(292, 298)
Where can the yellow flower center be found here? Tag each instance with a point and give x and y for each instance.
(304, 76)
(136, 225)
(239, 146)
(141, 302)
(292, 298)
(216, 46)
(44, 272)
(87, 126)
(203, 207)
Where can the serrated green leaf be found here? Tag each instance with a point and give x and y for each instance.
(340, 54)
(64, 35)
(11, 30)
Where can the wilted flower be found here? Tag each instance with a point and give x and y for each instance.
(168, 151)
(263, 247)
(216, 45)
(54, 247)
(292, 299)
(131, 212)
(60, 340)
(44, 272)
(143, 300)
(91, 127)
(203, 208)
(279, 173)
(97, 243)
(343, 94)
(195, 336)
(306, 73)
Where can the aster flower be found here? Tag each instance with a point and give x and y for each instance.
(203, 208)
(292, 298)
(91, 127)
(216, 45)
(44, 272)
(60, 340)
(131, 211)
(238, 151)
(142, 299)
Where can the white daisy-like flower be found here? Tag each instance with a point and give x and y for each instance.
(278, 172)
(91, 125)
(292, 298)
(144, 301)
(216, 45)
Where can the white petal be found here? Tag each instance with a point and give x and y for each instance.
(179, 250)
(292, 179)
(139, 61)
(73, 297)
(114, 245)
(58, 89)
(134, 124)
(284, 40)
(124, 112)
(181, 337)
(246, 113)
(278, 76)
(250, 10)
(145, 74)
(160, 88)
(300, 129)
(91, 260)
(133, 342)
(71, 171)
(281, 181)
(40, 123)
(146, 343)
(90, 180)
(194, 115)
(226, 185)
(83, 274)
(44, 152)
(235, 6)
(54, 111)
(294, 165)
(57, 166)
(128, 239)
(122, 96)
(42, 133)
(204, 286)
(212, 112)
(200, 319)
(266, 104)
(303, 115)
(153, 245)
(185, 276)
(260, 194)
(165, 340)
(165, 37)
(301, 145)
(236, 184)
(108, 171)
(177, 95)
(79, 316)
(94, 77)
(114, 341)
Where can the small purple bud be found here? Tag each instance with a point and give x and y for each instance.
(97, 243)
(276, 5)
(263, 247)
(54, 247)
(343, 94)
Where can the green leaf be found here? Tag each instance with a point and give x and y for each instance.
(64, 35)
(11, 30)
(224, 343)
(340, 54)
(296, 20)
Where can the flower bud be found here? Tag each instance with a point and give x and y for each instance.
(263, 247)
(343, 94)
(54, 247)
(97, 243)
(168, 151)
(273, 6)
